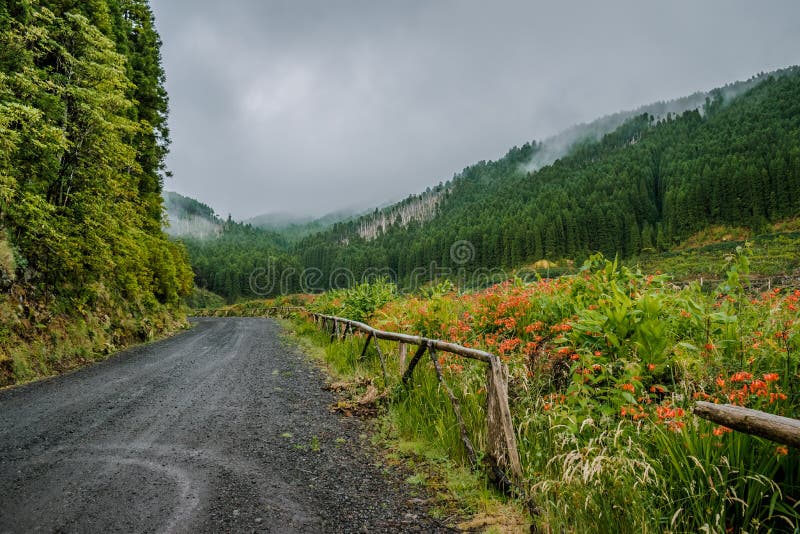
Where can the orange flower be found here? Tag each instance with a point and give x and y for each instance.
(507, 345)
(776, 397)
(628, 387)
(456, 368)
(758, 387)
(651, 367)
(676, 426)
(771, 377)
(535, 327)
(721, 430)
(780, 450)
(741, 376)
(720, 382)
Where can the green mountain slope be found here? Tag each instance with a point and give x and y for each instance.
(227, 256)
(242, 261)
(644, 186)
(189, 217)
(294, 228)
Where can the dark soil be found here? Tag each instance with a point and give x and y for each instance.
(220, 429)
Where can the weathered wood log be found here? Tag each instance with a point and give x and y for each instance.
(502, 444)
(773, 427)
(462, 426)
(366, 346)
(413, 363)
(439, 345)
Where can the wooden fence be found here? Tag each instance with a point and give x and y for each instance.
(502, 445)
(502, 451)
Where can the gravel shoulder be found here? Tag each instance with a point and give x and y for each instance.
(220, 428)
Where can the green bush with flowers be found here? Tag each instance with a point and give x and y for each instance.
(604, 368)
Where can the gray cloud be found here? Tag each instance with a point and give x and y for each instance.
(313, 106)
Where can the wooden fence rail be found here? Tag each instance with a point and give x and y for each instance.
(502, 442)
(502, 446)
(773, 427)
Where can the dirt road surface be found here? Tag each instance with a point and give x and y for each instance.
(223, 428)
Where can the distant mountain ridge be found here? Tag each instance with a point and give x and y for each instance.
(422, 207)
(275, 221)
(556, 146)
(295, 227)
(187, 217)
(731, 157)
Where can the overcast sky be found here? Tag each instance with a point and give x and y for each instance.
(313, 106)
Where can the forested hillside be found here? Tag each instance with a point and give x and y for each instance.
(85, 264)
(243, 261)
(296, 227)
(188, 217)
(643, 187)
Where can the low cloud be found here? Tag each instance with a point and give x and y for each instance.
(314, 106)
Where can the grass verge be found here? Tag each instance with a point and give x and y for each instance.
(457, 496)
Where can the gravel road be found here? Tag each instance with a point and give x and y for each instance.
(222, 428)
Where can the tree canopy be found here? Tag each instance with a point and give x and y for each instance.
(83, 137)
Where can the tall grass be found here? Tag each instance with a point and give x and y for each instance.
(604, 367)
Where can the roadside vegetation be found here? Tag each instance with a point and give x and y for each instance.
(605, 366)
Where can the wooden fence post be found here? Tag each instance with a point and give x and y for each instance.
(502, 453)
(366, 346)
(383, 362)
(413, 363)
(502, 443)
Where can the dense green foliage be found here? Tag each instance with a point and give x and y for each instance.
(605, 366)
(82, 142)
(229, 258)
(643, 187)
(243, 261)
